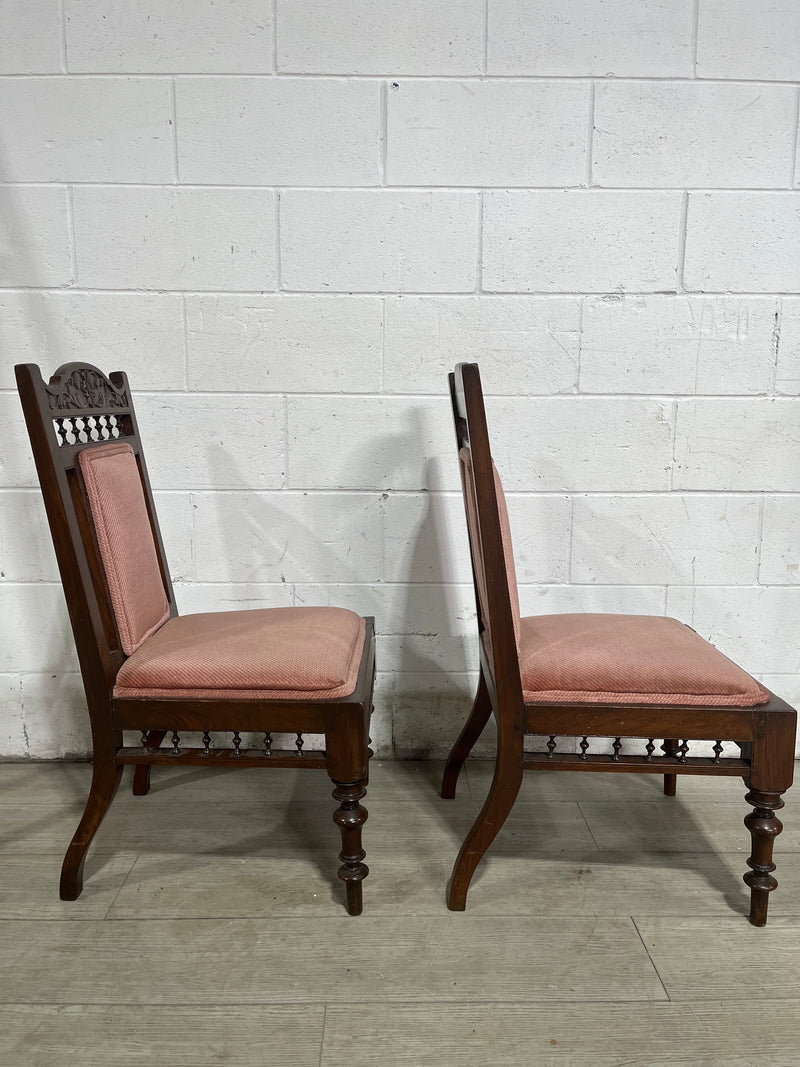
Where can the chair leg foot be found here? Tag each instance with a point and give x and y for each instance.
(473, 728)
(350, 816)
(498, 804)
(105, 782)
(670, 785)
(141, 780)
(764, 827)
(141, 773)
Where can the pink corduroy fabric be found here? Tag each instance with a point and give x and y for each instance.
(116, 500)
(468, 486)
(627, 659)
(272, 653)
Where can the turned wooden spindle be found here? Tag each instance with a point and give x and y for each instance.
(350, 816)
(764, 827)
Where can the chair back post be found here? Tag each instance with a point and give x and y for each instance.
(57, 415)
(499, 652)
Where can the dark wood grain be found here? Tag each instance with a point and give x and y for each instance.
(81, 408)
(765, 734)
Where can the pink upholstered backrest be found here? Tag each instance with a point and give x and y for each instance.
(476, 545)
(125, 538)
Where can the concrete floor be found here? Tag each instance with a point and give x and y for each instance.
(606, 926)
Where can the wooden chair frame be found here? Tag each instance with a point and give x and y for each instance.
(765, 733)
(81, 407)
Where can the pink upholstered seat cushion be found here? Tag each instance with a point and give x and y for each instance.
(627, 659)
(125, 537)
(273, 653)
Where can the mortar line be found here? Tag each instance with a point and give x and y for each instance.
(274, 36)
(477, 76)
(485, 57)
(759, 541)
(278, 265)
(590, 135)
(776, 344)
(695, 35)
(682, 226)
(479, 268)
(384, 132)
(185, 342)
(62, 26)
(173, 108)
(73, 250)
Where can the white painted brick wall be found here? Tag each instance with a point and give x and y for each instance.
(288, 220)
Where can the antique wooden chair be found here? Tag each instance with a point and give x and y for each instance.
(146, 668)
(592, 676)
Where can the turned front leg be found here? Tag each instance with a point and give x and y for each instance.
(764, 827)
(350, 816)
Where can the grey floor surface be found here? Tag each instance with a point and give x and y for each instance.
(606, 926)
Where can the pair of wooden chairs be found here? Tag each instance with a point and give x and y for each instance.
(311, 670)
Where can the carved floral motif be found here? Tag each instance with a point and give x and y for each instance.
(86, 388)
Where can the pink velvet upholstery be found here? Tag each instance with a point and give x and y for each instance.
(627, 659)
(116, 500)
(468, 486)
(273, 653)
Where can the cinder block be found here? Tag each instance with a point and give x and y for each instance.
(743, 242)
(34, 46)
(780, 546)
(666, 344)
(422, 653)
(371, 443)
(195, 36)
(609, 37)
(194, 597)
(611, 599)
(290, 343)
(581, 444)
(787, 342)
(755, 627)
(285, 131)
(430, 709)
(37, 634)
(524, 344)
(380, 37)
(16, 459)
(426, 538)
(415, 609)
(26, 548)
(171, 238)
(580, 240)
(176, 520)
(85, 130)
(748, 445)
(653, 539)
(213, 441)
(56, 718)
(13, 739)
(487, 133)
(749, 39)
(371, 241)
(34, 236)
(141, 333)
(693, 133)
(288, 537)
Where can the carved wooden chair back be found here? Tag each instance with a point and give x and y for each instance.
(145, 668)
(635, 679)
(77, 410)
